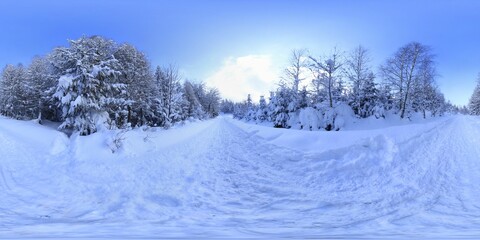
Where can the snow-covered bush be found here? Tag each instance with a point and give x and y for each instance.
(325, 117)
(116, 140)
(310, 119)
(379, 112)
(343, 115)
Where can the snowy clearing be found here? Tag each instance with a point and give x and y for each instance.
(225, 178)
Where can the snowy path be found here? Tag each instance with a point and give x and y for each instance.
(227, 182)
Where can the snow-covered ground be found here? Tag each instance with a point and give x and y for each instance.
(225, 178)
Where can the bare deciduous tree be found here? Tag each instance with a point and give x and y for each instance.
(327, 74)
(405, 70)
(297, 65)
(359, 73)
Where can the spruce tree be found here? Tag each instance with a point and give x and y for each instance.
(88, 82)
(474, 103)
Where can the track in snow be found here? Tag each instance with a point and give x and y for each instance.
(226, 182)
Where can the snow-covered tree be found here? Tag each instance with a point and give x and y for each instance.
(13, 92)
(88, 82)
(405, 70)
(209, 98)
(385, 97)
(212, 102)
(94, 81)
(303, 98)
(240, 110)
(262, 110)
(138, 107)
(438, 105)
(194, 107)
(474, 103)
(227, 106)
(368, 103)
(327, 76)
(171, 95)
(271, 106)
(357, 69)
(42, 86)
(279, 105)
(294, 74)
(424, 93)
(251, 113)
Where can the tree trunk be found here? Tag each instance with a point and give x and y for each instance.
(330, 90)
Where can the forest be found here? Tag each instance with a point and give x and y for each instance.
(96, 82)
(340, 85)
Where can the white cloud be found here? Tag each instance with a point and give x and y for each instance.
(252, 74)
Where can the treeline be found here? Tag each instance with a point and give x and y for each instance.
(344, 84)
(474, 103)
(96, 81)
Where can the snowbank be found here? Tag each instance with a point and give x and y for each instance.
(317, 141)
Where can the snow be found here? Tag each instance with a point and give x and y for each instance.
(312, 141)
(65, 81)
(225, 178)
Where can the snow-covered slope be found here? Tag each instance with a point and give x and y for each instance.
(224, 178)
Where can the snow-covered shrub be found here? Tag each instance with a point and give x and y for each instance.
(379, 112)
(327, 113)
(322, 116)
(328, 118)
(115, 142)
(343, 114)
(293, 121)
(310, 119)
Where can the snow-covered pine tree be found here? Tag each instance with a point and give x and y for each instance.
(280, 103)
(172, 98)
(303, 98)
(14, 92)
(208, 98)
(474, 103)
(88, 82)
(138, 107)
(240, 110)
(271, 106)
(7, 81)
(368, 99)
(212, 102)
(357, 69)
(226, 106)
(438, 106)
(262, 111)
(42, 86)
(177, 104)
(251, 109)
(194, 107)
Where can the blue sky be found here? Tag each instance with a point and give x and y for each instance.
(244, 44)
